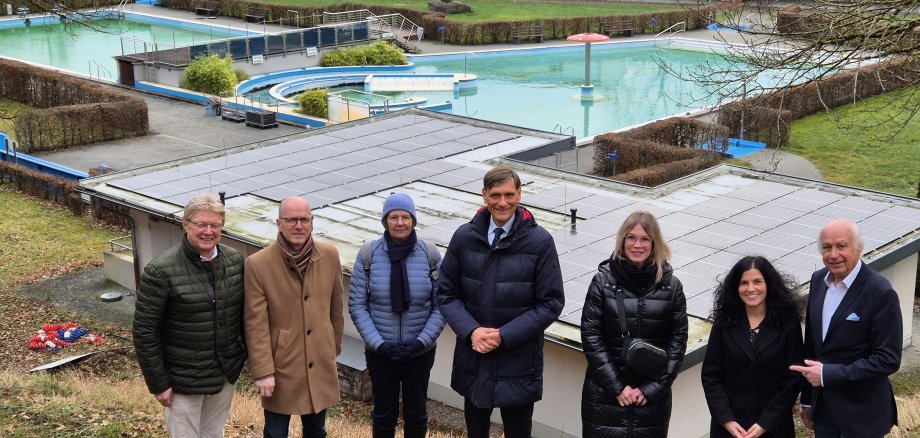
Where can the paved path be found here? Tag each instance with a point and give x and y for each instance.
(178, 129)
(786, 163)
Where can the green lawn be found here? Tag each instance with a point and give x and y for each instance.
(8, 110)
(37, 236)
(857, 157)
(484, 10)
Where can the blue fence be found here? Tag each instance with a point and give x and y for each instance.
(38, 164)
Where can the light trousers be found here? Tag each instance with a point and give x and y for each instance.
(199, 416)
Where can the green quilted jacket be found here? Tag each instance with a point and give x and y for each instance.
(185, 339)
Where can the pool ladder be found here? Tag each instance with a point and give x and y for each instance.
(99, 69)
(558, 129)
(674, 29)
(120, 9)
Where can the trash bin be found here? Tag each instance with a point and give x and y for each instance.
(210, 110)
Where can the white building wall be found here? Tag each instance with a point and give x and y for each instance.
(902, 276)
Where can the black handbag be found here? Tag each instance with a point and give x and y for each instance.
(638, 355)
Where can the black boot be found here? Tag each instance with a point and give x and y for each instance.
(380, 433)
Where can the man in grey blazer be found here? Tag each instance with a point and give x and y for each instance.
(852, 342)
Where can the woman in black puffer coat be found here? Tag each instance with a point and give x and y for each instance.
(617, 401)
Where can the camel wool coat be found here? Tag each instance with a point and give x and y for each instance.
(294, 326)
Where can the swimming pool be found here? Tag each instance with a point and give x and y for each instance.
(540, 88)
(80, 48)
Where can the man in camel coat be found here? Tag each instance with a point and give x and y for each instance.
(294, 323)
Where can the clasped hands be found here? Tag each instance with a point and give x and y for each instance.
(400, 351)
(631, 396)
(737, 431)
(485, 339)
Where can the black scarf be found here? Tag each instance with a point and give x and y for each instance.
(399, 274)
(636, 280)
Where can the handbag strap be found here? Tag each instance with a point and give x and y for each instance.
(621, 311)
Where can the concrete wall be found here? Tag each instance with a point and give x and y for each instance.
(272, 63)
(902, 276)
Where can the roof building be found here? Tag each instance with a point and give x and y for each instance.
(711, 219)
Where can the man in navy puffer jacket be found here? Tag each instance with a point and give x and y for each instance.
(499, 288)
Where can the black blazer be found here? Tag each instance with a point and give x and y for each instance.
(861, 349)
(751, 385)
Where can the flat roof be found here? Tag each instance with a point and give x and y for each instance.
(710, 219)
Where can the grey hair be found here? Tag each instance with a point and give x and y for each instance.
(204, 202)
(855, 234)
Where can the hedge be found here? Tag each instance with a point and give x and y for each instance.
(58, 190)
(486, 32)
(62, 192)
(680, 132)
(772, 110)
(490, 32)
(664, 172)
(763, 124)
(659, 152)
(68, 111)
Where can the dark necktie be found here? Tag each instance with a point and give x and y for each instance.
(498, 235)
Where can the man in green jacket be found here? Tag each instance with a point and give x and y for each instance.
(188, 324)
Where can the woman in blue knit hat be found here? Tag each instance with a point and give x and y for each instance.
(391, 301)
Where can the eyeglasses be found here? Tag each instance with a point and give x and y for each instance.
(644, 241)
(398, 219)
(201, 226)
(292, 221)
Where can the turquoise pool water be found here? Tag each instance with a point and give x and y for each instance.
(539, 89)
(72, 46)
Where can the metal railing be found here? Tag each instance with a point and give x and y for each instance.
(680, 27)
(389, 26)
(99, 69)
(120, 9)
(397, 27)
(121, 244)
(243, 47)
(346, 17)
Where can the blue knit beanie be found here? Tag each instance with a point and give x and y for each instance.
(398, 201)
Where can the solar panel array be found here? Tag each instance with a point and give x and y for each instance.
(748, 217)
(709, 225)
(330, 167)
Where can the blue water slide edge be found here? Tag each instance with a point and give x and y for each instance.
(35, 163)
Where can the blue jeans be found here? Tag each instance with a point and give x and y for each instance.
(276, 425)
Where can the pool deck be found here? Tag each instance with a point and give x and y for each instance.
(179, 129)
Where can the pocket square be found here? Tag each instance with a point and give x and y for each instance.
(853, 317)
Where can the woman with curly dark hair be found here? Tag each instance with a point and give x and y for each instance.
(756, 335)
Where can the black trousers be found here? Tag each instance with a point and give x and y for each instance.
(388, 377)
(276, 425)
(517, 420)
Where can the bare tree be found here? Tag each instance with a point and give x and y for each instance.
(808, 42)
(80, 12)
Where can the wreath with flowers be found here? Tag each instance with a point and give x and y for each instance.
(53, 337)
